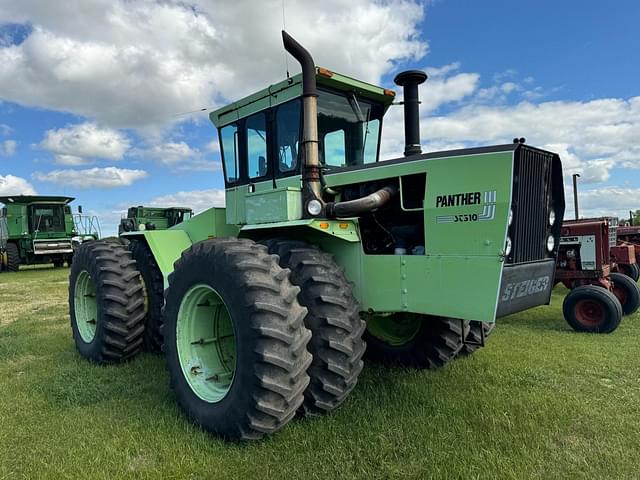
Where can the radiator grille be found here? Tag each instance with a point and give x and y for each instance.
(531, 202)
(613, 231)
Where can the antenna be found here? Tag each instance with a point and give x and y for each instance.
(284, 28)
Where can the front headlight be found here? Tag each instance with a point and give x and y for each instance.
(142, 227)
(314, 207)
(507, 247)
(510, 216)
(551, 243)
(552, 217)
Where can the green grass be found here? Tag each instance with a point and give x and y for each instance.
(540, 401)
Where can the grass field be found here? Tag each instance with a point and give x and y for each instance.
(540, 401)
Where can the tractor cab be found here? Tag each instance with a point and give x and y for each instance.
(261, 139)
(153, 218)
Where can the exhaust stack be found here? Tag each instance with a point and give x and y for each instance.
(410, 80)
(311, 186)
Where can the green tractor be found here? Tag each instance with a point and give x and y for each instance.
(153, 218)
(41, 229)
(322, 249)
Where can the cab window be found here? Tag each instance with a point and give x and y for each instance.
(348, 129)
(229, 144)
(288, 135)
(257, 145)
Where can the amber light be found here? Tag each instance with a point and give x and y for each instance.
(324, 225)
(325, 72)
(344, 226)
(389, 93)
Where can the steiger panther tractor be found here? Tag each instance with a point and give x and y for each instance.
(599, 296)
(153, 218)
(41, 229)
(268, 303)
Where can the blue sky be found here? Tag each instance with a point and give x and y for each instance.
(90, 97)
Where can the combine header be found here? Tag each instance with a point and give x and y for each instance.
(268, 302)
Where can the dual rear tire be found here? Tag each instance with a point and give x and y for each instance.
(253, 385)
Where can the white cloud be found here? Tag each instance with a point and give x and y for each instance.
(198, 200)
(138, 64)
(603, 201)
(75, 144)
(5, 129)
(8, 148)
(71, 160)
(171, 153)
(109, 177)
(12, 185)
(592, 137)
(179, 156)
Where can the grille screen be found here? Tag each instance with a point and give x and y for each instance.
(531, 201)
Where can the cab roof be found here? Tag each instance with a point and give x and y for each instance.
(184, 209)
(291, 88)
(27, 199)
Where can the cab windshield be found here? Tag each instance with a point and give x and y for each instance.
(47, 218)
(348, 129)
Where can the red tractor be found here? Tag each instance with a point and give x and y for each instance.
(628, 236)
(598, 297)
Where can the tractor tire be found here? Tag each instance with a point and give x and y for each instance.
(426, 342)
(106, 302)
(248, 379)
(153, 282)
(592, 309)
(631, 270)
(334, 320)
(474, 337)
(627, 292)
(13, 257)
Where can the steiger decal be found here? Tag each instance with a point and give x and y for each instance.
(469, 198)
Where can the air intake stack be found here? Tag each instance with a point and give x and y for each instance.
(409, 81)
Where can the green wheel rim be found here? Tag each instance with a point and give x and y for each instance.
(86, 306)
(206, 343)
(396, 330)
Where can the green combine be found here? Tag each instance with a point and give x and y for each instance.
(322, 249)
(41, 229)
(153, 218)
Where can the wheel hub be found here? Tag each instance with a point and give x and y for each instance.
(589, 312)
(86, 307)
(396, 329)
(206, 343)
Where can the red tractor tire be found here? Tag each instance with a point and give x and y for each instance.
(592, 309)
(631, 270)
(627, 292)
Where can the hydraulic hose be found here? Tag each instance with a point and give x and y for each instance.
(360, 206)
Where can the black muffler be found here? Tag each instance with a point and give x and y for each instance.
(409, 81)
